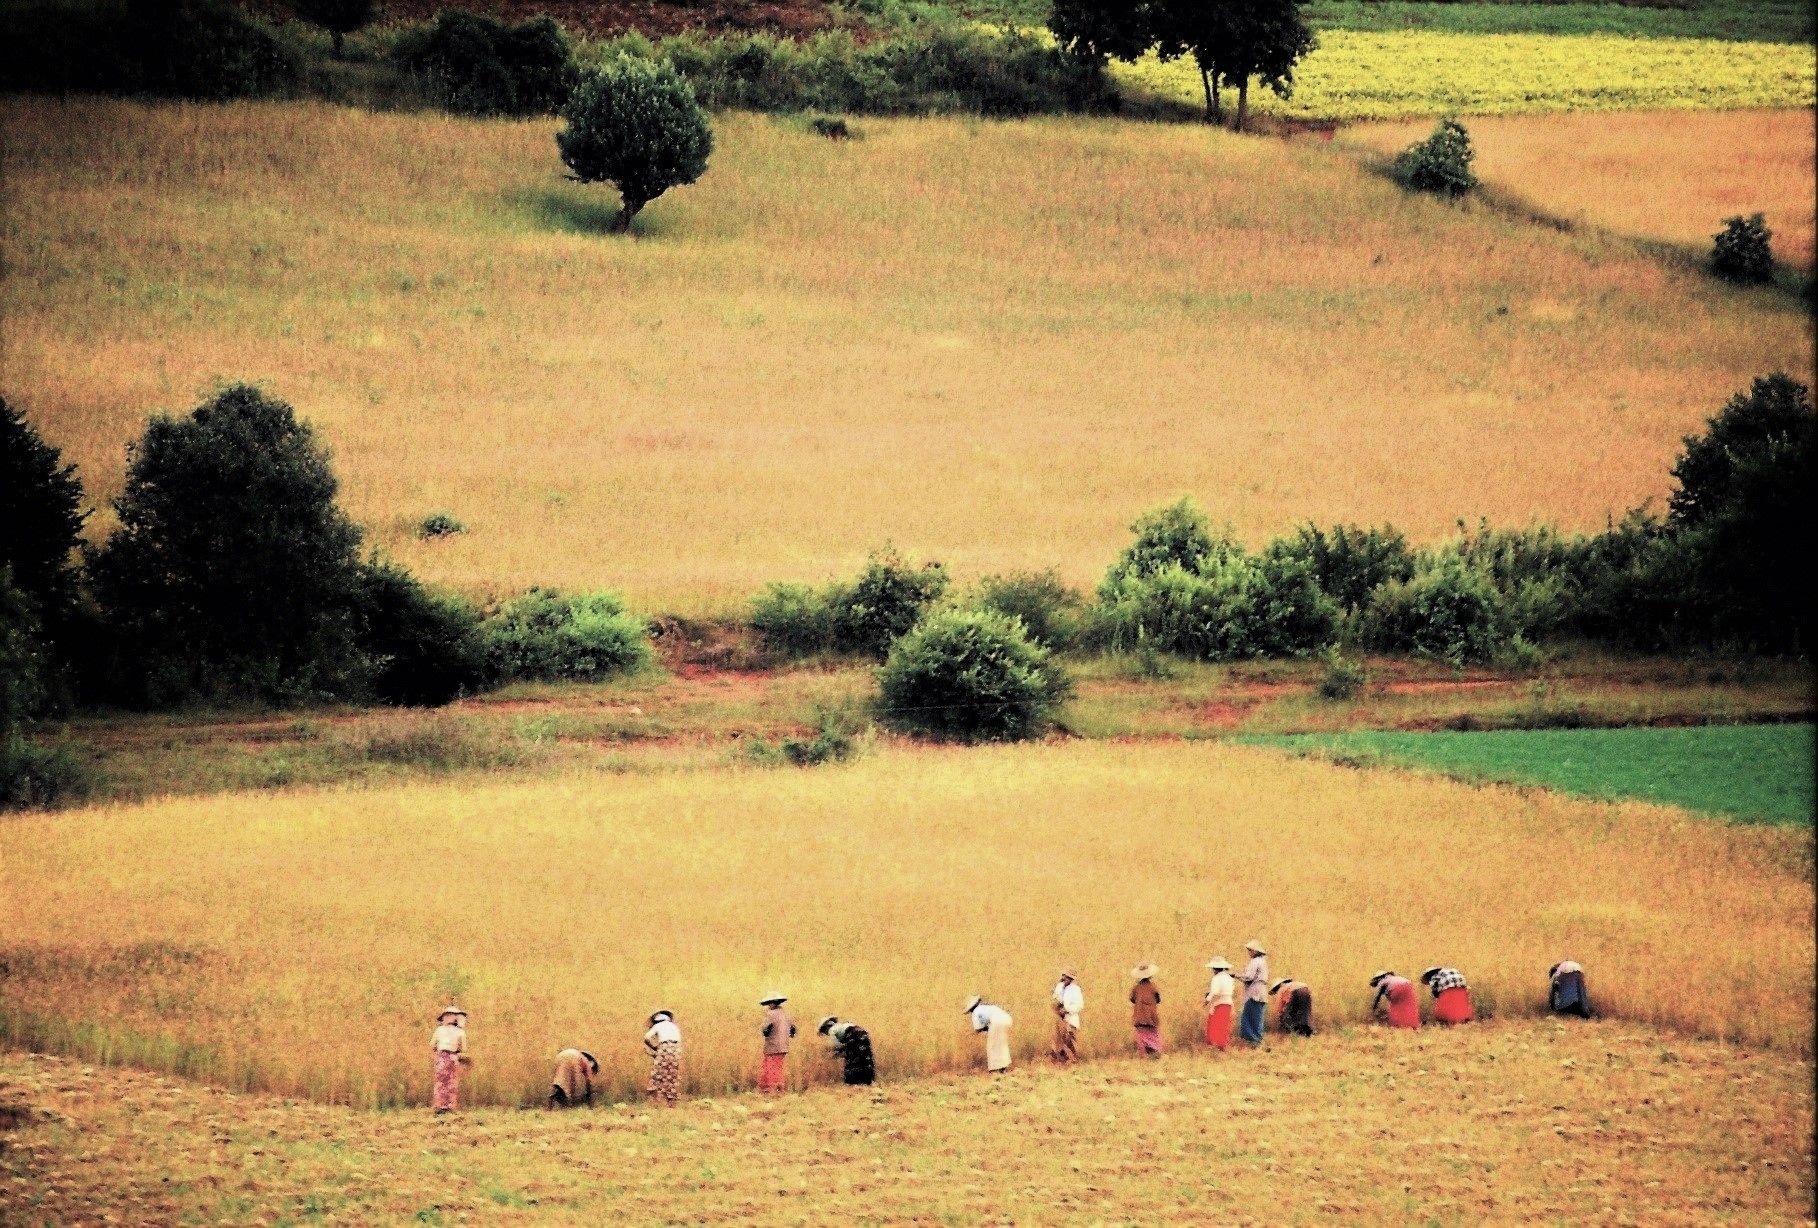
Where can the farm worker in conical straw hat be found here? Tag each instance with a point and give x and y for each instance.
(1451, 996)
(572, 1082)
(1145, 1009)
(1069, 1001)
(1218, 1004)
(852, 1045)
(994, 1022)
(1296, 1016)
(450, 1045)
(664, 1041)
(1566, 993)
(778, 1030)
(1398, 992)
(1255, 979)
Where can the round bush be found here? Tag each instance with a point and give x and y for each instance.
(971, 674)
(1441, 163)
(1740, 252)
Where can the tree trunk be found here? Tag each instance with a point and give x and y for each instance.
(1243, 103)
(628, 209)
(1208, 77)
(335, 36)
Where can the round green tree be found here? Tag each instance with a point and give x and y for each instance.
(635, 125)
(970, 674)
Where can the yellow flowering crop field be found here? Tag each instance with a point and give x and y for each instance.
(302, 942)
(1353, 75)
(993, 343)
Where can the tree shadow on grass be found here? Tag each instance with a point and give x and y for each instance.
(574, 209)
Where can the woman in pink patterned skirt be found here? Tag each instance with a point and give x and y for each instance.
(450, 1043)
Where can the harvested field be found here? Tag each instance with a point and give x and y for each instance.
(1509, 1122)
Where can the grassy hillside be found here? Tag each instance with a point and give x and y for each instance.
(297, 942)
(1756, 772)
(992, 342)
(1664, 175)
(1529, 1122)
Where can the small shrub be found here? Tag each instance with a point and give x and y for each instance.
(1051, 613)
(474, 64)
(832, 127)
(33, 775)
(425, 648)
(838, 737)
(793, 620)
(970, 674)
(439, 524)
(1441, 163)
(635, 125)
(1740, 252)
(1344, 678)
(544, 636)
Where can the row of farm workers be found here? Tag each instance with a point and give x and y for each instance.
(1396, 999)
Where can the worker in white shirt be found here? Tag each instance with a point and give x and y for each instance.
(1255, 978)
(1219, 996)
(1069, 1001)
(994, 1022)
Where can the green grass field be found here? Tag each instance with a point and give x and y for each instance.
(1771, 22)
(1760, 773)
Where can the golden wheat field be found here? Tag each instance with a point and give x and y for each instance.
(992, 343)
(1504, 1122)
(302, 942)
(1666, 175)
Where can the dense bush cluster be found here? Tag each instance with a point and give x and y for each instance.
(861, 616)
(916, 69)
(473, 64)
(204, 49)
(234, 577)
(1180, 588)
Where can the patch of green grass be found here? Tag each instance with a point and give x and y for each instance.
(1757, 773)
(1774, 21)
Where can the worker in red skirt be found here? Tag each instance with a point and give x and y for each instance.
(1451, 996)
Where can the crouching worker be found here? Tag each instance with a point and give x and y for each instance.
(1567, 995)
(1296, 1017)
(994, 1022)
(1451, 996)
(852, 1045)
(1398, 993)
(572, 1082)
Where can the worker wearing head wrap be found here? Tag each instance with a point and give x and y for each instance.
(994, 1022)
(1451, 996)
(852, 1045)
(1566, 994)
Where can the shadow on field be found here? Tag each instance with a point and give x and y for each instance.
(583, 211)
